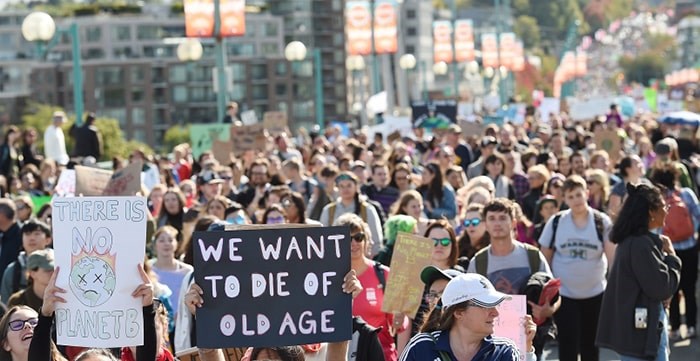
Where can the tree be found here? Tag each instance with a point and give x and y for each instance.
(527, 29)
(39, 116)
(174, 136)
(642, 68)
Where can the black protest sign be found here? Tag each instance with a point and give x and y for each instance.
(272, 286)
(438, 114)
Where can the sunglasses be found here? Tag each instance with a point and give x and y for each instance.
(358, 237)
(442, 241)
(472, 222)
(17, 325)
(275, 220)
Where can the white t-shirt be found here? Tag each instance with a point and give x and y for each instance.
(579, 259)
(509, 273)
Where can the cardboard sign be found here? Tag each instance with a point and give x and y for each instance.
(249, 137)
(272, 286)
(509, 323)
(222, 151)
(91, 181)
(275, 122)
(125, 182)
(609, 141)
(471, 129)
(65, 187)
(202, 136)
(249, 117)
(403, 288)
(99, 242)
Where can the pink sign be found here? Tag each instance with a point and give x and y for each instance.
(509, 323)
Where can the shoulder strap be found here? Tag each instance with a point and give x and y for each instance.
(380, 274)
(331, 213)
(16, 276)
(481, 261)
(599, 226)
(363, 211)
(555, 225)
(533, 258)
(444, 356)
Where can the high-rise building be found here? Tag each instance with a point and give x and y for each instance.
(318, 24)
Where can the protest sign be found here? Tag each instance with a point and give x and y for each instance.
(65, 187)
(609, 141)
(222, 151)
(509, 323)
(275, 122)
(99, 242)
(549, 106)
(249, 117)
(203, 135)
(272, 286)
(125, 182)
(403, 288)
(435, 114)
(248, 137)
(91, 181)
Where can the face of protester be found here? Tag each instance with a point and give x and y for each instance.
(401, 178)
(494, 168)
(564, 166)
(637, 169)
(41, 276)
(347, 189)
(414, 208)
(552, 164)
(156, 197)
(578, 165)
(536, 180)
(17, 342)
(380, 176)
(427, 176)
(23, 211)
(46, 217)
(455, 180)
(547, 210)
(440, 253)
(601, 163)
(358, 245)
(576, 199)
(499, 225)
(475, 232)
(275, 217)
(435, 292)
(361, 174)
(171, 203)
(211, 190)
(187, 190)
(657, 217)
(34, 240)
(291, 208)
(216, 209)
(478, 320)
(258, 176)
(28, 181)
(166, 245)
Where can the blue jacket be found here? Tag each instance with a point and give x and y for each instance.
(427, 347)
(447, 207)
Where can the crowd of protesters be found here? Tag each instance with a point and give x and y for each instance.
(516, 203)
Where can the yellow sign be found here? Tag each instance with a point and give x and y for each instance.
(404, 288)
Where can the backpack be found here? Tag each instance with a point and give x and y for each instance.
(380, 275)
(331, 212)
(597, 220)
(679, 225)
(481, 259)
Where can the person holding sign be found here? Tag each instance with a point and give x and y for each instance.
(372, 276)
(39, 349)
(17, 332)
(466, 324)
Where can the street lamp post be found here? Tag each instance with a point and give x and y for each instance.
(220, 54)
(296, 51)
(40, 27)
(356, 64)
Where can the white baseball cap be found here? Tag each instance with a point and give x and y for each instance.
(472, 287)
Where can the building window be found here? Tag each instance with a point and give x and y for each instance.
(238, 91)
(119, 114)
(146, 32)
(124, 52)
(179, 94)
(107, 75)
(140, 135)
(259, 71)
(281, 90)
(138, 116)
(93, 34)
(137, 96)
(178, 74)
(260, 92)
(271, 29)
(121, 33)
(238, 70)
(281, 68)
(94, 54)
(137, 75)
(114, 98)
(303, 109)
(410, 49)
(269, 49)
(411, 31)
(241, 49)
(411, 13)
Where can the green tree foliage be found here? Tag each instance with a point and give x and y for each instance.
(527, 29)
(642, 68)
(174, 136)
(600, 13)
(39, 116)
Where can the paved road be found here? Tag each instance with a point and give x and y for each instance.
(685, 350)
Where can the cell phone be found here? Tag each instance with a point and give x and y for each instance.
(640, 317)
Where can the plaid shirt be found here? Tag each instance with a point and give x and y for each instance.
(520, 184)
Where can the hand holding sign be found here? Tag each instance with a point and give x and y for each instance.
(145, 290)
(351, 284)
(50, 295)
(193, 298)
(530, 332)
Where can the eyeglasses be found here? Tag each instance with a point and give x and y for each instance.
(432, 296)
(472, 222)
(17, 325)
(226, 177)
(358, 237)
(275, 220)
(442, 241)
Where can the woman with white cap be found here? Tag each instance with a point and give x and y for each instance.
(466, 326)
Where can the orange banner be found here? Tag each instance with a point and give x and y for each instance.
(232, 17)
(385, 32)
(507, 44)
(442, 41)
(199, 18)
(489, 50)
(464, 41)
(581, 63)
(358, 27)
(519, 57)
